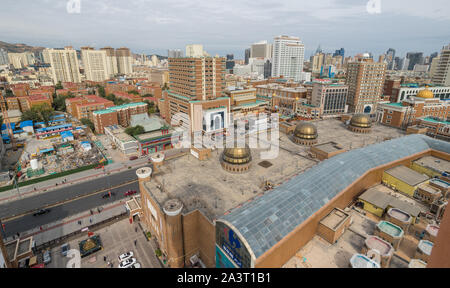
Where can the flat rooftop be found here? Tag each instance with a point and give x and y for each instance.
(407, 175)
(434, 163)
(329, 147)
(206, 186)
(334, 219)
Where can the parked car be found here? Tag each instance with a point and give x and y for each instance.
(65, 249)
(130, 192)
(41, 212)
(107, 195)
(127, 263)
(47, 257)
(135, 265)
(125, 256)
(133, 157)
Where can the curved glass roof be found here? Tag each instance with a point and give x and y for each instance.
(269, 218)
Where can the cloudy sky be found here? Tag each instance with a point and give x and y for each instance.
(229, 26)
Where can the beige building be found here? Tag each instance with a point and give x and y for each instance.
(111, 61)
(95, 64)
(441, 75)
(64, 64)
(124, 61)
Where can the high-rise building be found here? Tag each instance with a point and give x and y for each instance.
(288, 57)
(414, 58)
(267, 69)
(390, 56)
(175, 53)
(317, 62)
(21, 60)
(365, 81)
(3, 57)
(111, 61)
(441, 75)
(64, 64)
(331, 98)
(261, 50)
(247, 55)
(124, 61)
(194, 50)
(229, 65)
(95, 64)
(339, 52)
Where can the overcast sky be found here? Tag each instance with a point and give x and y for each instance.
(229, 26)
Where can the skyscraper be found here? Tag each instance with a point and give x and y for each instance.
(111, 61)
(194, 50)
(247, 55)
(414, 58)
(261, 50)
(288, 57)
(124, 61)
(339, 52)
(441, 75)
(229, 65)
(95, 64)
(365, 81)
(174, 53)
(64, 64)
(390, 56)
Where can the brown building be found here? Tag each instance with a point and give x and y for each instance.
(365, 81)
(390, 89)
(117, 115)
(83, 106)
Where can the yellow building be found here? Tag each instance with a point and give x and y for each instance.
(404, 179)
(431, 166)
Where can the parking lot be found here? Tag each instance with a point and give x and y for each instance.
(117, 239)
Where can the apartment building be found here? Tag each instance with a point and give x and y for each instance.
(288, 57)
(64, 64)
(331, 98)
(83, 106)
(124, 61)
(117, 115)
(95, 64)
(441, 74)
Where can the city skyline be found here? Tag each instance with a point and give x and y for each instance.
(157, 26)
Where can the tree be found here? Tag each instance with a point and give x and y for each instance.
(165, 87)
(136, 130)
(88, 122)
(101, 91)
(59, 86)
(59, 103)
(133, 92)
(147, 95)
(39, 113)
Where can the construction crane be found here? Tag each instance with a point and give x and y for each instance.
(7, 122)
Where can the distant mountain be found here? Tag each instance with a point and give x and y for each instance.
(19, 48)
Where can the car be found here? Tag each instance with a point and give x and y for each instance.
(65, 249)
(41, 212)
(127, 263)
(125, 256)
(130, 192)
(47, 257)
(133, 157)
(107, 195)
(135, 265)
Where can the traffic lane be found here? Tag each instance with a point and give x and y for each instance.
(65, 210)
(69, 192)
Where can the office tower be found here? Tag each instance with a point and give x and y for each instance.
(339, 52)
(21, 60)
(3, 57)
(317, 62)
(390, 56)
(288, 57)
(124, 61)
(267, 69)
(199, 78)
(414, 58)
(441, 74)
(111, 61)
(432, 56)
(261, 50)
(247, 55)
(95, 64)
(331, 98)
(194, 50)
(174, 53)
(365, 81)
(229, 65)
(64, 64)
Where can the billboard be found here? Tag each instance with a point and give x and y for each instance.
(228, 244)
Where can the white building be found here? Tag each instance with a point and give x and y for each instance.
(124, 61)
(288, 57)
(64, 64)
(111, 61)
(405, 93)
(21, 60)
(194, 50)
(95, 64)
(441, 75)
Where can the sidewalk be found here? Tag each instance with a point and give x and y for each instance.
(71, 224)
(75, 178)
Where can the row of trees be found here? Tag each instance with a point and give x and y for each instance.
(136, 130)
(39, 113)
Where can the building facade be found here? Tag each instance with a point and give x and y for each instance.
(441, 74)
(288, 57)
(95, 64)
(331, 98)
(64, 64)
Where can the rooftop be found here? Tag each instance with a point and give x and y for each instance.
(329, 147)
(407, 175)
(433, 163)
(334, 219)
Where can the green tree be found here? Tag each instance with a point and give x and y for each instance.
(59, 103)
(39, 113)
(88, 122)
(59, 86)
(101, 91)
(148, 95)
(133, 92)
(165, 87)
(136, 130)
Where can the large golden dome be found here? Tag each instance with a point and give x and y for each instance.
(305, 130)
(361, 120)
(237, 155)
(425, 93)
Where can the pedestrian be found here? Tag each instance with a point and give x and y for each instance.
(104, 258)
(135, 229)
(90, 220)
(135, 242)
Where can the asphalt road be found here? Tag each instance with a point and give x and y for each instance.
(66, 193)
(62, 211)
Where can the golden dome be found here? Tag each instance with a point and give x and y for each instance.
(237, 155)
(361, 120)
(305, 130)
(425, 93)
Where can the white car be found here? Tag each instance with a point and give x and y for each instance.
(127, 263)
(135, 265)
(125, 256)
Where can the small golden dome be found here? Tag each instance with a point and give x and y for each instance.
(305, 130)
(274, 94)
(425, 93)
(237, 155)
(361, 120)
